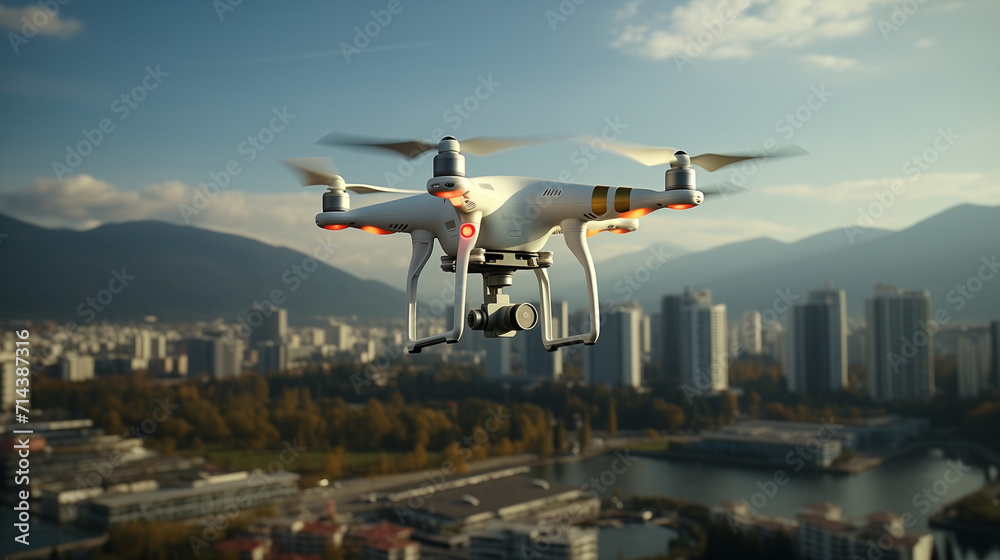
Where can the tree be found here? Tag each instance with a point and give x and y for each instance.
(333, 463)
(545, 438)
(583, 434)
(612, 419)
(559, 438)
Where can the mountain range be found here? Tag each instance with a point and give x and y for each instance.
(938, 254)
(184, 273)
(177, 273)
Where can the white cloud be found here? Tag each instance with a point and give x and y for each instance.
(44, 20)
(722, 29)
(829, 61)
(976, 188)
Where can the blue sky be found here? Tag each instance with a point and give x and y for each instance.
(869, 84)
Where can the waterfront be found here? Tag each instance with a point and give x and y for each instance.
(897, 486)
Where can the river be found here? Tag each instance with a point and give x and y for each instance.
(897, 486)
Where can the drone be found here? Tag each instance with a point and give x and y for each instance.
(497, 225)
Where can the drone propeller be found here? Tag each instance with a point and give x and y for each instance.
(321, 171)
(657, 155)
(722, 189)
(481, 146)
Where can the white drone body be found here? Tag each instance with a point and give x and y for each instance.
(497, 225)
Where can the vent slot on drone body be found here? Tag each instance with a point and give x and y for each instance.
(450, 224)
(590, 216)
(399, 227)
(552, 192)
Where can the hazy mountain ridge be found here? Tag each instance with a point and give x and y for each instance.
(185, 273)
(935, 254)
(180, 273)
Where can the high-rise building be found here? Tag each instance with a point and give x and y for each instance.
(704, 353)
(670, 336)
(751, 334)
(817, 349)
(616, 359)
(157, 346)
(341, 336)
(142, 344)
(499, 357)
(272, 356)
(856, 340)
(970, 358)
(900, 345)
(74, 367)
(995, 354)
(775, 342)
(220, 357)
(273, 326)
(539, 362)
(228, 357)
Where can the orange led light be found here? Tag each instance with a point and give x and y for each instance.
(620, 230)
(680, 206)
(637, 213)
(447, 194)
(467, 230)
(335, 227)
(376, 230)
(457, 201)
(593, 232)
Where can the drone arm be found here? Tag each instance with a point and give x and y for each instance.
(422, 246)
(575, 232)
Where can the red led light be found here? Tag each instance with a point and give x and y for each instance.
(376, 230)
(467, 230)
(335, 227)
(680, 206)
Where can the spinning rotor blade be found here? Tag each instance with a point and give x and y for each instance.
(482, 146)
(408, 148)
(313, 170)
(321, 171)
(717, 189)
(656, 155)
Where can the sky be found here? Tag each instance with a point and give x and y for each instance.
(118, 111)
